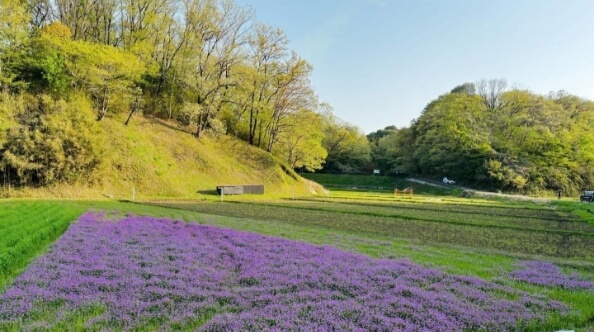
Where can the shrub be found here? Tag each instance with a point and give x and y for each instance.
(53, 141)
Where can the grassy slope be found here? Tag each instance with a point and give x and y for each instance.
(159, 160)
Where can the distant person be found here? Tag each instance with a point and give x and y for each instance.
(559, 194)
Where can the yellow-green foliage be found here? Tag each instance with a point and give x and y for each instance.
(52, 141)
(59, 145)
(13, 21)
(7, 106)
(158, 160)
(57, 29)
(105, 73)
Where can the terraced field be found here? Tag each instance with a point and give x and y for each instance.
(520, 230)
(535, 260)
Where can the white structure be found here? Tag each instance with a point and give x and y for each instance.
(448, 181)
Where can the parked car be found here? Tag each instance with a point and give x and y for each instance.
(587, 196)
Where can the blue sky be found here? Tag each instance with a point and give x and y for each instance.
(379, 62)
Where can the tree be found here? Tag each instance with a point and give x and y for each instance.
(378, 154)
(509, 140)
(301, 143)
(395, 152)
(452, 138)
(467, 88)
(268, 48)
(62, 66)
(44, 67)
(348, 148)
(8, 105)
(536, 137)
(109, 74)
(14, 20)
(292, 93)
(490, 91)
(218, 37)
(375, 136)
(57, 29)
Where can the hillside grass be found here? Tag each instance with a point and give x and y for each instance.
(154, 158)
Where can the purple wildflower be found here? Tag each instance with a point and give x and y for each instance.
(548, 274)
(141, 269)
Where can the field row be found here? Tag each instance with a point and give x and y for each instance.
(26, 229)
(476, 207)
(517, 208)
(515, 240)
(377, 183)
(476, 217)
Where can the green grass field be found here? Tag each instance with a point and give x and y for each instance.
(377, 183)
(473, 237)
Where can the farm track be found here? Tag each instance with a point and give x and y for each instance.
(480, 192)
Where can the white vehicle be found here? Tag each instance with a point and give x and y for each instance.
(448, 181)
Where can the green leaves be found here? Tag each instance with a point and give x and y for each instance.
(53, 71)
(348, 148)
(53, 141)
(452, 139)
(510, 140)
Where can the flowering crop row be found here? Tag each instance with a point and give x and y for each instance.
(548, 274)
(144, 269)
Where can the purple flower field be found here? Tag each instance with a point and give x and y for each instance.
(548, 274)
(144, 269)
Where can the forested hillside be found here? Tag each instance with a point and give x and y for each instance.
(211, 69)
(155, 159)
(490, 136)
(207, 66)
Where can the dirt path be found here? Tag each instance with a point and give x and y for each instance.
(482, 193)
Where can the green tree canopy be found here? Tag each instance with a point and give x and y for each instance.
(496, 138)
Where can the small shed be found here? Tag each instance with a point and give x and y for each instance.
(254, 189)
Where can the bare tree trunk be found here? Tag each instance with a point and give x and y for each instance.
(134, 108)
(171, 98)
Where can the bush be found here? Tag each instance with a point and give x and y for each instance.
(53, 141)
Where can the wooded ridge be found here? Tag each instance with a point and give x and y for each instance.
(486, 135)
